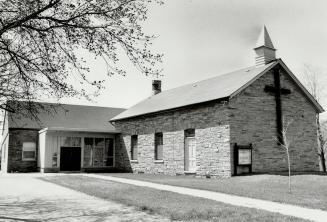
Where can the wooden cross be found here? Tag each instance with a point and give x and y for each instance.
(278, 91)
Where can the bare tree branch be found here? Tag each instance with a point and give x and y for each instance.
(313, 82)
(39, 40)
(286, 145)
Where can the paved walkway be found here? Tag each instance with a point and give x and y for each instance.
(285, 209)
(24, 198)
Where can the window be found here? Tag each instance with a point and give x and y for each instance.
(88, 152)
(158, 146)
(98, 152)
(29, 151)
(134, 147)
(190, 151)
(109, 157)
(189, 133)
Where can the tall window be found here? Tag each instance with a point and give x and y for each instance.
(190, 150)
(134, 147)
(158, 146)
(98, 152)
(29, 151)
(88, 151)
(109, 152)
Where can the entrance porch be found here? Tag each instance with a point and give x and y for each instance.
(75, 150)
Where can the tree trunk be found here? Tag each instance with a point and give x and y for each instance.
(322, 159)
(321, 146)
(289, 171)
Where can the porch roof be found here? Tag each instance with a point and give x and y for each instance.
(68, 117)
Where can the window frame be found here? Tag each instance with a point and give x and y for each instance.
(113, 151)
(92, 152)
(29, 159)
(134, 145)
(158, 136)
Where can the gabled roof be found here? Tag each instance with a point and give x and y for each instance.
(69, 118)
(220, 87)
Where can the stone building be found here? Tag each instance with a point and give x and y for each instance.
(225, 125)
(219, 127)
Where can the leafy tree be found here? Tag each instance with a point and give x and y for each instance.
(39, 41)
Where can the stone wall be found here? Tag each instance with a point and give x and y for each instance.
(215, 153)
(253, 120)
(302, 131)
(16, 139)
(210, 122)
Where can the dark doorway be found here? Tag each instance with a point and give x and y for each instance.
(70, 159)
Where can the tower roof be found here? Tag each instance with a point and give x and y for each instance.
(264, 39)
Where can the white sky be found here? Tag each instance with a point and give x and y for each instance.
(202, 39)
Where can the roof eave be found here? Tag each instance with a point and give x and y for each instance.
(253, 79)
(263, 46)
(316, 104)
(279, 61)
(84, 130)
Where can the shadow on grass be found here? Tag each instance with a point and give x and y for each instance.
(38, 210)
(18, 219)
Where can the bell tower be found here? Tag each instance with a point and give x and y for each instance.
(265, 51)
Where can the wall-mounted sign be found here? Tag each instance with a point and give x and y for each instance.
(244, 156)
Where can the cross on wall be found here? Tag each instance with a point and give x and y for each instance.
(278, 92)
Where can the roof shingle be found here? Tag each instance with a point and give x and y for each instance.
(70, 117)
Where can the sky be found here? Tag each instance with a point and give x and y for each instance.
(201, 39)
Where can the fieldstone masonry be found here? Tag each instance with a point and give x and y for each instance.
(249, 117)
(211, 135)
(213, 151)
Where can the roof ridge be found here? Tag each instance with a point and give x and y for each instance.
(203, 80)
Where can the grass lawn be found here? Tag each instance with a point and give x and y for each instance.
(308, 190)
(172, 205)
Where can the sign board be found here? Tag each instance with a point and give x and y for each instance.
(244, 156)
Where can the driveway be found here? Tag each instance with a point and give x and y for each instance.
(26, 198)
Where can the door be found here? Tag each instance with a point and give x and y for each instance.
(190, 154)
(70, 159)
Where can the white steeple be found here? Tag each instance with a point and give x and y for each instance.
(265, 51)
